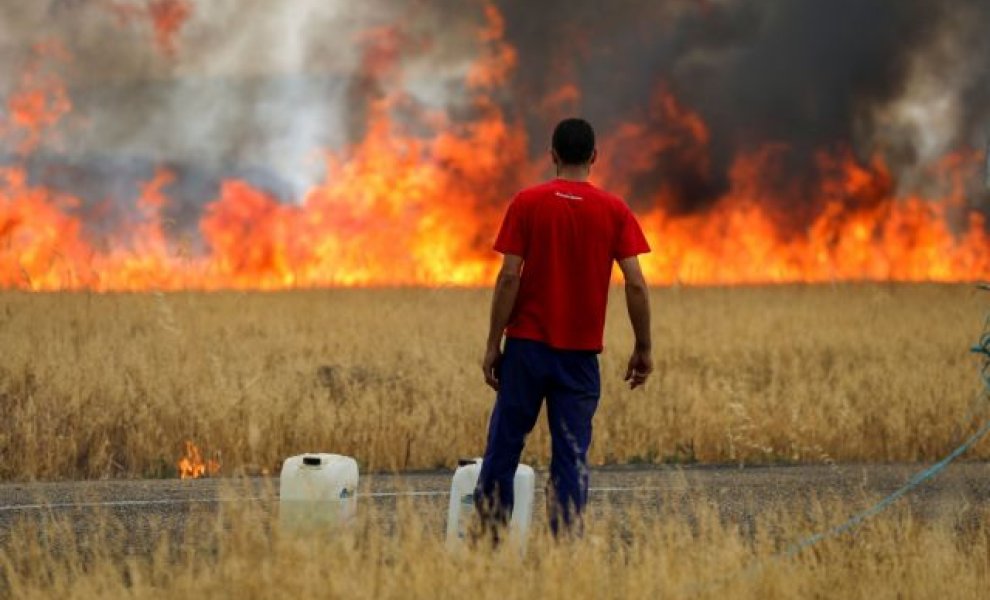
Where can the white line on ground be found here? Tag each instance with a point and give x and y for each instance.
(17, 507)
(166, 501)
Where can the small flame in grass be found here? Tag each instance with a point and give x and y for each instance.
(192, 465)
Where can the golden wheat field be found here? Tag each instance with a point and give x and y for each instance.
(674, 553)
(100, 386)
(112, 385)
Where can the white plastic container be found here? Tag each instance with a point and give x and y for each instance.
(461, 510)
(317, 490)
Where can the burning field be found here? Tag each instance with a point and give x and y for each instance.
(165, 150)
(235, 231)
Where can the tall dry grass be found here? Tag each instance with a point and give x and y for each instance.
(674, 553)
(112, 385)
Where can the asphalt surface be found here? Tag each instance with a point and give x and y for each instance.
(738, 494)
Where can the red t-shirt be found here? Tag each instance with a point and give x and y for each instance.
(568, 234)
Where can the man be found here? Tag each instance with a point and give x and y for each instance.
(558, 241)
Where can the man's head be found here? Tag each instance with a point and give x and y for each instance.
(573, 143)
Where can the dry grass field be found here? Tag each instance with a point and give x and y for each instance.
(678, 553)
(97, 386)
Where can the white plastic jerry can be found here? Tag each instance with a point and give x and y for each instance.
(317, 489)
(461, 510)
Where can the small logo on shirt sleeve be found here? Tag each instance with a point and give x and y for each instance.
(568, 196)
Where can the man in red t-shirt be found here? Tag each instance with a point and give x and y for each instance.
(559, 241)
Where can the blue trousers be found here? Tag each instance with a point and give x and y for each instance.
(530, 372)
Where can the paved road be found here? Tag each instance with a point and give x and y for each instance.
(738, 493)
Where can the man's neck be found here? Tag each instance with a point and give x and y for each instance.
(573, 173)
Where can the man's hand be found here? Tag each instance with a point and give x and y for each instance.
(640, 367)
(493, 356)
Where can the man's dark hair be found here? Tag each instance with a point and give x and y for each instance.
(574, 141)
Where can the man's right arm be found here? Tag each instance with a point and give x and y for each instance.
(638, 304)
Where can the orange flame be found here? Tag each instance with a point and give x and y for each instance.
(192, 465)
(40, 100)
(167, 18)
(889, 239)
(862, 229)
(399, 208)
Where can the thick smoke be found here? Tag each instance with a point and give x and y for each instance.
(254, 89)
(905, 78)
(259, 89)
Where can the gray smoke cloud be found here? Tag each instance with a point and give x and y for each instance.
(260, 89)
(255, 89)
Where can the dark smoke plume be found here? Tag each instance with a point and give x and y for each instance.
(906, 78)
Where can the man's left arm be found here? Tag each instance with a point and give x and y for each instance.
(503, 301)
